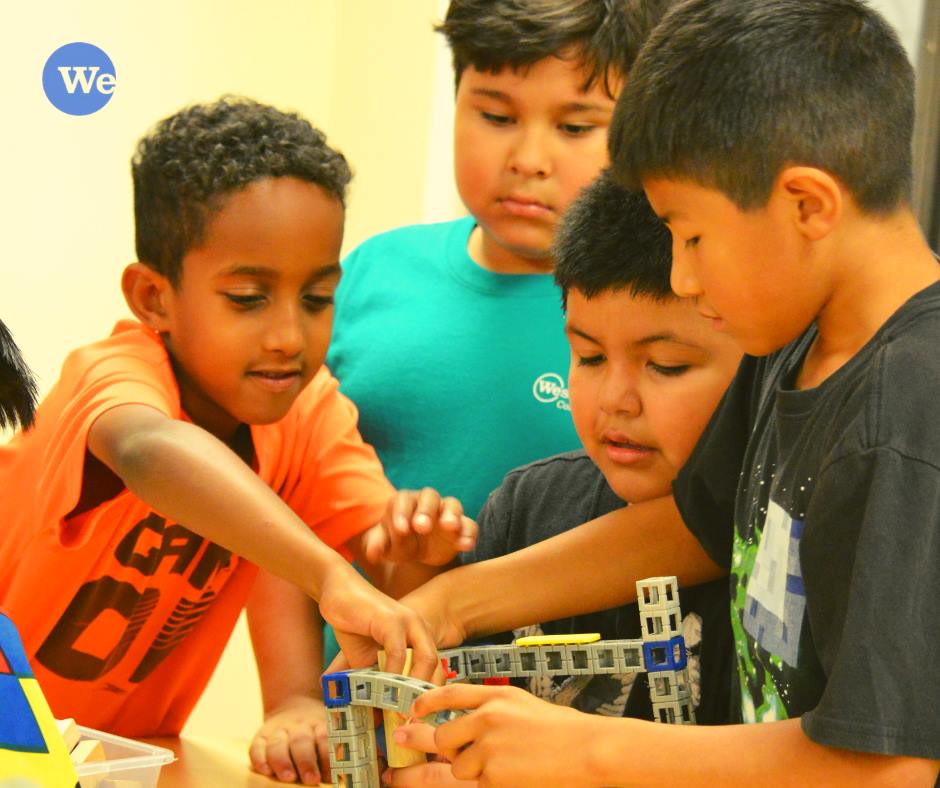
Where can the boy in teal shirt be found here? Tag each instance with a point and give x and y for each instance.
(448, 337)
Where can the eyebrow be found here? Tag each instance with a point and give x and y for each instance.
(650, 339)
(266, 272)
(571, 106)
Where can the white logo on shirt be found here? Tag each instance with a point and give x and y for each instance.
(549, 387)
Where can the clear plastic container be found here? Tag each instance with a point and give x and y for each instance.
(126, 759)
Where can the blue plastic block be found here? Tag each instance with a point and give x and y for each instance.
(336, 691)
(19, 729)
(669, 659)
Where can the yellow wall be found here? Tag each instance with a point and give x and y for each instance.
(365, 71)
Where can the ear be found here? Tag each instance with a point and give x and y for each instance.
(147, 294)
(814, 197)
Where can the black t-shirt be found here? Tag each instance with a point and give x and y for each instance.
(835, 546)
(551, 496)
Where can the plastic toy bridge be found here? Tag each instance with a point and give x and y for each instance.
(351, 695)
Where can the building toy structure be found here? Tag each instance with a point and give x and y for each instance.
(350, 696)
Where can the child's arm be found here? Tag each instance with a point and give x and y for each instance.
(287, 638)
(187, 474)
(602, 559)
(512, 738)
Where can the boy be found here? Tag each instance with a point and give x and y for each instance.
(448, 336)
(202, 413)
(646, 373)
(17, 386)
(774, 137)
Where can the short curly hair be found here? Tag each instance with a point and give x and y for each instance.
(187, 165)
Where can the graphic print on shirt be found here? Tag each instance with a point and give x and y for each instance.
(769, 601)
(551, 388)
(124, 624)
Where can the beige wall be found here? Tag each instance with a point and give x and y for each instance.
(363, 70)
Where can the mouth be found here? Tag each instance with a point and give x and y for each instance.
(621, 449)
(276, 380)
(521, 205)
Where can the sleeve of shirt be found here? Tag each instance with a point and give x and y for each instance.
(871, 565)
(93, 382)
(334, 480)
(706, 486)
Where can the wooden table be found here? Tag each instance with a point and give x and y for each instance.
(209, 762)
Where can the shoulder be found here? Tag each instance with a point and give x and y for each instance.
(900, 378)
(561, 479)
(130, 354)
(421, 239)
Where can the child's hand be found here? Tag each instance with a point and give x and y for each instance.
(422, 527)
(511, 738)
(364, 618)
(436, 772)
(292, 743)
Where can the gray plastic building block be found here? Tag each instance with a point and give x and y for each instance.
(531, 661)
(555, 661)
(579, 660)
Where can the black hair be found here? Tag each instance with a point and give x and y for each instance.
(611, 239)
(726, 93)
(192, 160)
(605, 35)
(17, 385)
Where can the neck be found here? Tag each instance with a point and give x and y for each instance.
(492, 256)
(885, 263)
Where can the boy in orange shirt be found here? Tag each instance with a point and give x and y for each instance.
(205, 433)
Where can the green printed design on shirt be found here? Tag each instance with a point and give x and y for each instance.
(760, 696)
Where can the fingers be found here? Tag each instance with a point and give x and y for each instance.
(376, 544)
(425, 775)
(416, 736)
(455, 696)
(284, 755)
(467, 536)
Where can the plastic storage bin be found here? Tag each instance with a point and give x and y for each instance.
(125, 759)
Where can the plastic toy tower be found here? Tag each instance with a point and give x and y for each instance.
(351, 695)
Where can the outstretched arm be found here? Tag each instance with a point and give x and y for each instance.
(511, 738)
(190, 476)
(592, 567)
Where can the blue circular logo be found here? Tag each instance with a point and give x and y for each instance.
(79, 78)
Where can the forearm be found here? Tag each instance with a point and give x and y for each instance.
(191, 477)
(287, 638)
(635, 753)
(592, 567)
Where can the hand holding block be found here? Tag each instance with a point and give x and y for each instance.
(398, 756)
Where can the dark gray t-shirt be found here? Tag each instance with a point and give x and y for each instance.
(551, 496)
(835, 548)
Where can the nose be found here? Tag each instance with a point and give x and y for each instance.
(284, 334)
(530, 155)
(618, 393)
(682, 277)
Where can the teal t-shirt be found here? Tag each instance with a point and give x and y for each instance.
(459, 373)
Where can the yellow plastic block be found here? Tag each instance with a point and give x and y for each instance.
(398, 756)
(47, 768)
(558, 640)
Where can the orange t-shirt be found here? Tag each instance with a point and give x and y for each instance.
(123, 614)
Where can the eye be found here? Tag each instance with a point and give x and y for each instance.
(691, 243)
(576, 129)
(669, 371)
(317, 303)
(590, 361)
(245, 301)
(495, 119)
